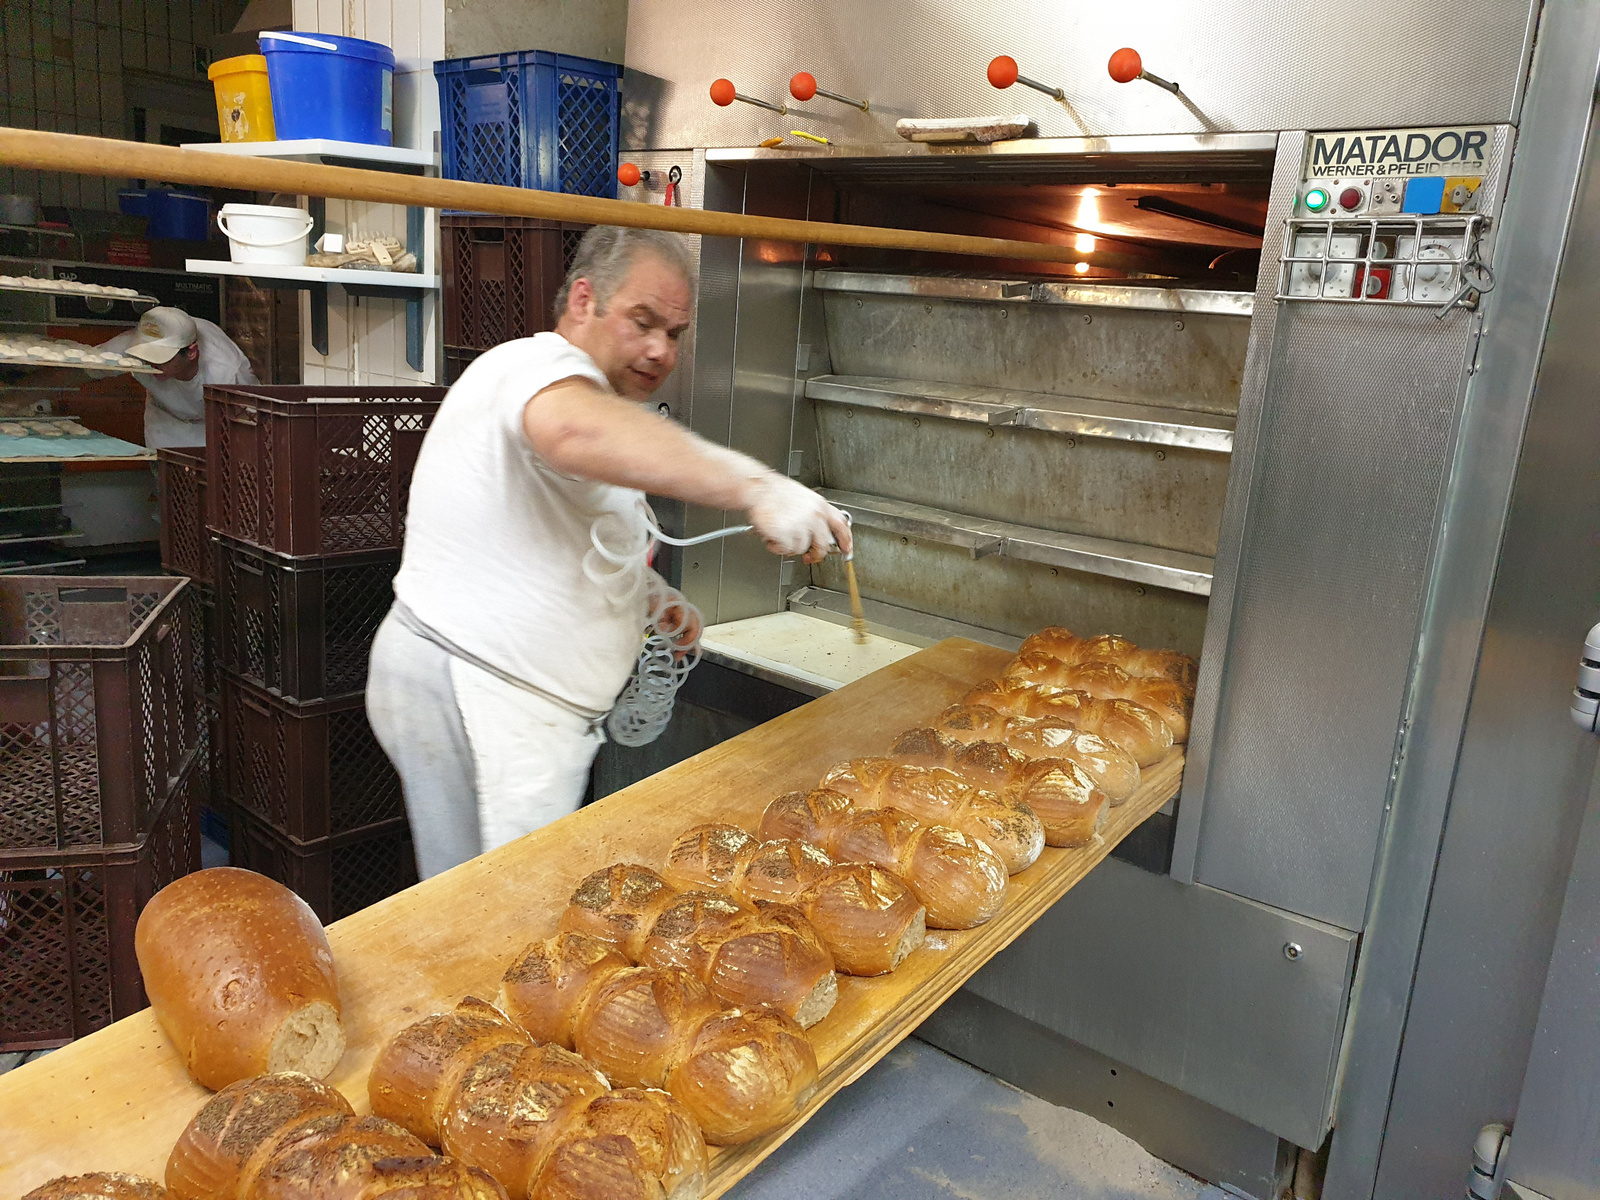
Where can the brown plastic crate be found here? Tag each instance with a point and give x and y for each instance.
(67, 964)
(182, 486)
(501, 276)
(335, 875)
(307, 770)
(301, 628)
(98, 706)
(313, 470)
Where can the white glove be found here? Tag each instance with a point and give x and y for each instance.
(793, 520)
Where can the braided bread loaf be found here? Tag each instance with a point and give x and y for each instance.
(1065, 645)
(1136, 729)
(1170, 700)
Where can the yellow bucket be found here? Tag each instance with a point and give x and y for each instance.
(244, 104)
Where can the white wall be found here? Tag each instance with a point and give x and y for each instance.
(589, 28)
(367, 340)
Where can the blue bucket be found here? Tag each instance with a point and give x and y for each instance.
(325, 86)
(180, 216)
(133, 202)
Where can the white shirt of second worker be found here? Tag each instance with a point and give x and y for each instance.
(496, 537)
(174, 409)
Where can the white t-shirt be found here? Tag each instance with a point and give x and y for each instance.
(496, 538)
(175, 409)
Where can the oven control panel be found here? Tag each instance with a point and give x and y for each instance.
(1390, 216)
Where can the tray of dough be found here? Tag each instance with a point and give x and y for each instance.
(30, 350)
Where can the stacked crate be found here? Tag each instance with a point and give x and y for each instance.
(306, 509)
(99, 735)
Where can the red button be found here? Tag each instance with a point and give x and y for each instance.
(1350, 198)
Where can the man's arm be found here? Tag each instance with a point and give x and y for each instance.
(582, 431)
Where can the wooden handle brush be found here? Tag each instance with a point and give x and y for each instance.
(858, 619)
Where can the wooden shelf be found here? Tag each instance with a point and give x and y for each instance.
(117, 1099)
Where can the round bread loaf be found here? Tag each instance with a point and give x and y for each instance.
(775, 958)
(512, 1105)
(543, 987)
(220, 1152)
(241, 978)
(744, 1073)
(702, 857)
(777, 871)
(690, 930)
(334, 1158)
(635, 1025)
(626, 1143)
(101, 1185)
(806, 816)
(866, 916)
(972, 723)
(417, 1070)
(618, 904)
(1042, 739)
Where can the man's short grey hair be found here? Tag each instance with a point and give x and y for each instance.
(607, 253)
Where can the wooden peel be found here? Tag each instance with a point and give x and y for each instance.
(36, 150)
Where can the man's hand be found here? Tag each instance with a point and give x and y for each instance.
(792, 519)
(675, 618)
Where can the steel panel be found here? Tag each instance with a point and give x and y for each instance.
(1011, 595)
(1243, 66)
(1191, 986)
(1557, 1147)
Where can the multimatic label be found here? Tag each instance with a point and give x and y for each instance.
(1455, 151)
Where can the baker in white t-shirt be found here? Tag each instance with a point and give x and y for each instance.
(191, 352)
(523, 591)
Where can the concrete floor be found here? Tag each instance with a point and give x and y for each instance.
(924, 1126)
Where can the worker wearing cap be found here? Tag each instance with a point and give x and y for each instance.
(523, 591)
(191, 353)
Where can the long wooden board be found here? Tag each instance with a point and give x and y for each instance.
(118, 1099)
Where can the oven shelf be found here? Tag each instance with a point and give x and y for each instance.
(1171, 569)
(1153, 298)
(1073, 415)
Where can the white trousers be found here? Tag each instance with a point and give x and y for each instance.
(481, 761)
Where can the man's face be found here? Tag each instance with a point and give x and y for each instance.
(634, 341)
(182, 366)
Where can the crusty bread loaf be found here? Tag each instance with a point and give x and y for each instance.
(543, 986)
(417, 1070)
(1007, 769)
(220, 1151)
(866, 916)
(241, 978)
(960, 881)
(702, 857)
(775, 958)
(1064, 645)
(1138, 730)
(101, 1185)
(777, 871)
(633, 1142)
(806, 816)
(932, 794)
(690, 930)
(1170, 700)
(428, 1179)
(744, 1073)
(334, 1158)
(618, 904)
(511, 1106)
(635, 1025)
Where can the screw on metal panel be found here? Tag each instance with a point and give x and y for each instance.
(694, 566)
(1087, 319)
(1071, 442)
(664, 409)
(927, 308)
(849, 412)
(1161, 456)
(1003, 312)
(1177, 324)
(905, 541)
(916, 422)
(858, 304)
(1138, 590)
(1293, 951)
(1055, 573)
(989, 432)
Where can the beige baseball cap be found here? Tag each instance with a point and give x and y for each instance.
(163, 333)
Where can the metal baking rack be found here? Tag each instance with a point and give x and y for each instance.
(70, 287)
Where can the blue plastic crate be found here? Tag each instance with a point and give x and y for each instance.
(531, 119)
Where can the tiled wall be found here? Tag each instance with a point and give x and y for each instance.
(367, 340)
(65, 62)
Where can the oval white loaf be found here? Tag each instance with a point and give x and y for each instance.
(241, 977)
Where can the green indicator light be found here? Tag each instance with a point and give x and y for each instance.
(1317, 199)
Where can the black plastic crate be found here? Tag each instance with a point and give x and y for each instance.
(313, 470)
(99, 710)
(67, 964)
(336, 875)
(301, 628)
(181, 476)
(309, 770)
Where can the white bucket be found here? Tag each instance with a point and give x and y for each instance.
(265, 233)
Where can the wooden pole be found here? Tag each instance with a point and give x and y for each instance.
(31, 149)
